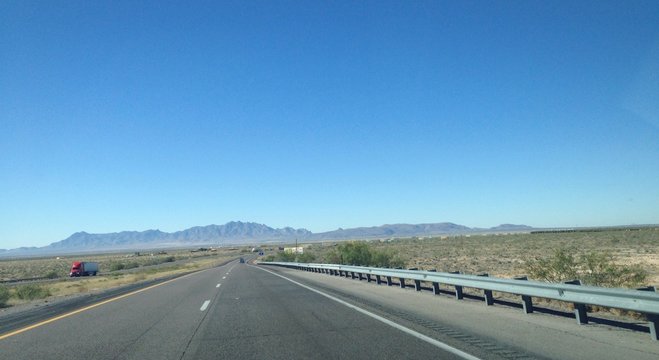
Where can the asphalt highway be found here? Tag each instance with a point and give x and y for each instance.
(265, 312)
(234, 311)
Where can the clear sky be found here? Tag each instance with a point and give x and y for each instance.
(128, 115)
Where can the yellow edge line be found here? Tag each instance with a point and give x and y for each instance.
(59, 317)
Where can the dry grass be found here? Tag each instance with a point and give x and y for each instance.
(506, 255)
(68, 287)
(59, 267)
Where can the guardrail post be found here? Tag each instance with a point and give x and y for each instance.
(580, 310)
(389, 282)
(378, 279)
(402, 283)
(361, 276)
(417, 285)
(489, 299)
(352, 275)
(527, 301)
(368, 278)
(653, 320)
(458, 292)
(458, 289)
(435, 285)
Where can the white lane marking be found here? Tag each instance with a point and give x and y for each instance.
(218, 285)
(224, 277)
(402, 328)
(204, 306)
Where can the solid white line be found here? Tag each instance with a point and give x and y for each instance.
(218, 285)
(204, 306)
(402, 328)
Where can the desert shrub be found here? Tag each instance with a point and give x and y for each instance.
(306, 257)
(169, 259)
(561, 266)
(599, 269)
(116, 266)
(52, 274)
(355, 253)
(285, 256)
(31, 292)
(269, 258)
(362, 254)
(386, 259)
(131, 265)
(594, 268)
(4, 296)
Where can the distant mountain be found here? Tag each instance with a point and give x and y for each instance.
(237, 233)
(395, 230)
(511, 227)
(234, 232)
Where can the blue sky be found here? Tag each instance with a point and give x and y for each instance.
(131, 115)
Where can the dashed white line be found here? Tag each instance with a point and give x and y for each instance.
(224, 277)
(204, 306)
(218, 285)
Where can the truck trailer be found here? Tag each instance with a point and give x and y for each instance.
(83, 268)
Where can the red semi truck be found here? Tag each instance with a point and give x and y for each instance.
(83, 268)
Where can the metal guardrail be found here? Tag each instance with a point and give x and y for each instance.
(645, 301)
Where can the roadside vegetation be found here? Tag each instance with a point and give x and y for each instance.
(628, 258)
(112, 274)
(4, 295)
(602, 258)
(593, 268)
(22, 293)
(349, 253)
(58, 267)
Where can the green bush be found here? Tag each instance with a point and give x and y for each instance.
(285, 256)
(306, 257)
(131, 265)
(361, 254)
(561, 266)
(116, 266)
(52, 274)
(4, 296)
(31, 292)
(595, 268)
(386, 259)
(600, 270)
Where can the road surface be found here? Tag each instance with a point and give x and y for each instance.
(249, 312)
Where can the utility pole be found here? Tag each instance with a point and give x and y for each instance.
(295, 249)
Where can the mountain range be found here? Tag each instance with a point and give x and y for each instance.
(241, 233)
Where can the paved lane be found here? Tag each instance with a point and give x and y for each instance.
(235, 311)
(262, 316)
(157, 323)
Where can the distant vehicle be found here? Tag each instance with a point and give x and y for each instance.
(82, 268)
(242, 261)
